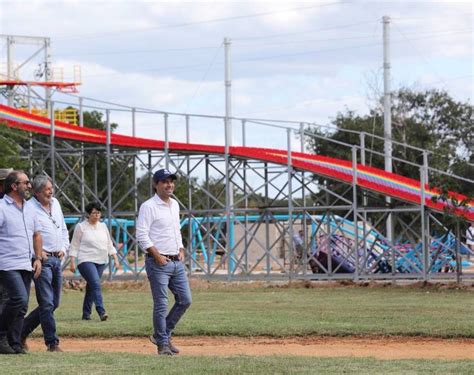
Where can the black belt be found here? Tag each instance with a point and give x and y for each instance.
(169, 257)
(55, 255)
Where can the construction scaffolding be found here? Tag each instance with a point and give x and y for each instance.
(252, 235)
(255, 203)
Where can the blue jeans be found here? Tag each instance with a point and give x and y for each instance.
(3, 296)
(48, 294)
(17, 285)
(173, 276)
(92, 272)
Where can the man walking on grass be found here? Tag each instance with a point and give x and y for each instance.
(3, 293)
(158, 232)
(20, 258)
(55, 244)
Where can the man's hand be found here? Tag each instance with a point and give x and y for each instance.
(37, 268)
(61, 255)
(160, 259)
(181, 255)
(44, 255)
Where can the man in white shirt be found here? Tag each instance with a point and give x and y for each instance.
(55, 244)
(3, 174)
(20, 254)
(158, 233)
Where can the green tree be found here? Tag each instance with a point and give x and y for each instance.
(430, 120)
(12, 142)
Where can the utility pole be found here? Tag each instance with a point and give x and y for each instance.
(387, 113)
(228, 93)
(228, 143)
(10, 68)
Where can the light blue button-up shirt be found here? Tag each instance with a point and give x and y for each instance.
(17, 227)
(54, 232)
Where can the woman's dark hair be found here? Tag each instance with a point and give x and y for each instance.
(93, 206)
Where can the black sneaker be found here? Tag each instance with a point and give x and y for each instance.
(19, 350)
(24, 344)
(5, 347)
(86, 317)
(164, 349)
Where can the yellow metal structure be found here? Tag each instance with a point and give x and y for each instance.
(68, 115)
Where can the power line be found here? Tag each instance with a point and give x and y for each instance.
(444, 33)
(271, 36)
(422, 58)
(247, 42)
(203, 78)
(215, 20)
(273, 57)
(124, 52)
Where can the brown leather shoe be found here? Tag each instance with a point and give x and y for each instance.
(54, 348)
(164, 349)
(173, 348)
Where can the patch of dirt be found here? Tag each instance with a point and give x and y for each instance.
(380, 348)
(199, 284)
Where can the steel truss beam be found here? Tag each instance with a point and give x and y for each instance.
(260, 245)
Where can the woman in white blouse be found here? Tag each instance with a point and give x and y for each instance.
(92, 245)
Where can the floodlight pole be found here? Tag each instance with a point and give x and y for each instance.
(229, 204)
(387, 113)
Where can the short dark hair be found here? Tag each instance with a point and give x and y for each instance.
(11, 178)
(93, 206)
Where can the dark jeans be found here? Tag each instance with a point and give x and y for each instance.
(173, 276)
(92, 272)
(17, 285)
(48, 294)
(3, 297)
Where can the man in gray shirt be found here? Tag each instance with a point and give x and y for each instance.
(20, 258)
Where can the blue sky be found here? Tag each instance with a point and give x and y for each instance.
(291, 60)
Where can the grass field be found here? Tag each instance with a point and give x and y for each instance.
(279, 312)
(271, 311)
(106, 363)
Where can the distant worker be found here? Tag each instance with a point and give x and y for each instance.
(159, 234)
(298, 241)
(20, 258)
(48, 286)
(470, 238)
(92, 245)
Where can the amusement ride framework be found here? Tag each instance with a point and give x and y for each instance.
(243, 204)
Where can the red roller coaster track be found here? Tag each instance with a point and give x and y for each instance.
(377, 180)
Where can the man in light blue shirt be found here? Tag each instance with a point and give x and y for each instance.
(3, 174)
(48, 286)
(20, 254)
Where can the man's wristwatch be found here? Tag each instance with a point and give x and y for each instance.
(40, 258)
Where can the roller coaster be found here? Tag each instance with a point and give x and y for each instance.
(243, 201)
